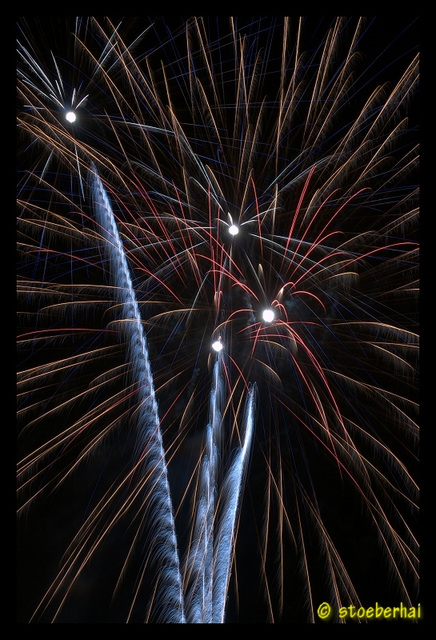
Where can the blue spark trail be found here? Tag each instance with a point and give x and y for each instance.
(200, 561)
(231, 495)
(149, 439)
(209, 559)
(217, 506)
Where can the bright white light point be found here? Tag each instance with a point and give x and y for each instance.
(70, 116)
(217, 345)
(268, 315)
(233, 230)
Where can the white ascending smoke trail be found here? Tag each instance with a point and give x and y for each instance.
(162, 529)
(200, 561)
(230, 498)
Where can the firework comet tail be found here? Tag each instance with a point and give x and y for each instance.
(149, 435)
(199, 601)
(231, 493)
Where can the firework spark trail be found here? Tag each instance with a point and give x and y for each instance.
(217, 505)
(274, 126)
(200, 566)
(231, 496)
(150, 447)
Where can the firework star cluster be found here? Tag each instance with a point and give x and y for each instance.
(217, 310)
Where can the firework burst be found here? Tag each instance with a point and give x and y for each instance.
(241, 185)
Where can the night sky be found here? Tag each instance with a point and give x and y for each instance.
(305, 492)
